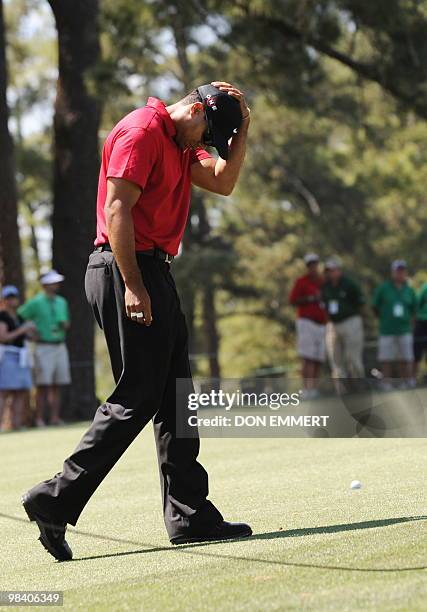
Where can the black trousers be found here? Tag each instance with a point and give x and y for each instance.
(146, 362)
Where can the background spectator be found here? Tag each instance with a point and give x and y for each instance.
(420, 330)
(310, 325)
(15, 367)
(344, 332)
(395, 304)
(50, 313)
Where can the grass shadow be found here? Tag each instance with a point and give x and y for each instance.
(289, 533)
(194, 548)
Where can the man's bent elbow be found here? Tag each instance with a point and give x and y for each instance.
(115, 208)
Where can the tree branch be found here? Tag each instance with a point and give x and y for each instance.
(368, 71)
(305, 193)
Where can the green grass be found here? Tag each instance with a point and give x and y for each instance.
(316, 545)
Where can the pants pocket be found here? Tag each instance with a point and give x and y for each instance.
(98, 282)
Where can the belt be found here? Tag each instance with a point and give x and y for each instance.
(157, 253)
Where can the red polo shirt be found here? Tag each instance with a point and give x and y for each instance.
(304, 287)
(141, 149)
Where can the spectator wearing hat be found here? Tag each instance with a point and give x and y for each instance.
(15, 366)
(420, 330)
(343, 301)
(395, 304)
(50, 313)
(310, 325)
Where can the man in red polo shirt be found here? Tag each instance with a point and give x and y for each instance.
(311, 320)
(149, 161)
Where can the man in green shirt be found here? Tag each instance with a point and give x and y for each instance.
(395, 304)
(420, 331)
(343, 301)
(50, 314)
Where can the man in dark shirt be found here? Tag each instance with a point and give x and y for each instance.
(343, 300)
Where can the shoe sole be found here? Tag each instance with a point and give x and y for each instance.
(42, 540)
(186, 540)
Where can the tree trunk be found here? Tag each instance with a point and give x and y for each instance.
(211, 332)
(187, 289)
(209, 314)
(76, 168)
(179, 28)
(10, 246)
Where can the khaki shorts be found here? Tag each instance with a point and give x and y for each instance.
(344, 345)
(396, 348)
(311, 340)
(51, 365)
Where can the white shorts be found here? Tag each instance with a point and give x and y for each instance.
(51, 365)
(396, 348)
(311, 340)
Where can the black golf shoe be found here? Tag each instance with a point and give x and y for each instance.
(221, 531)
(52, 533)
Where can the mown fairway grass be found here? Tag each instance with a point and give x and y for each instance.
(316, 545)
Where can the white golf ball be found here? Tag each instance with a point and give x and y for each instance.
(355, 484)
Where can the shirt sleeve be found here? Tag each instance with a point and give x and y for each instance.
(199, 154)
(26, 311)
(357, 293)
(132, 156)
(376, 300)
(295, 293)
(421, 297)
(414, 304)
(65, 313)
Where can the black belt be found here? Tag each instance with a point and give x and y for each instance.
(158, 253)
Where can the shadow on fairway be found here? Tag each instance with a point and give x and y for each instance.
(289, 533)
(295, 533)
(192, 549)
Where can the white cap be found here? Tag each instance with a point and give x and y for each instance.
(333, 263)
(310, 258)
(398, 264)
(51, 277)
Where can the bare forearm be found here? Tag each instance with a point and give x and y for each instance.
(122, 240)
(227, 172)
(11, 336)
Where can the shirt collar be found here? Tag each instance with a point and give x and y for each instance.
(402, 286)
(161, 108)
